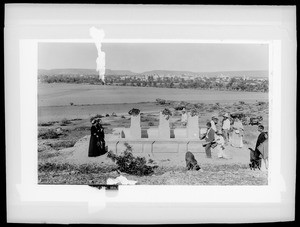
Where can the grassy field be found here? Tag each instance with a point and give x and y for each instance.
(62, 159)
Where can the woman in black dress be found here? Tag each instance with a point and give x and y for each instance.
(100, 131)
(97, 142)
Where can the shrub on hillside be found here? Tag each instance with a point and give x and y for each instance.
(161, 101)
(96, 116)
(150, 124)
(50, 123)
(260, 103)
(130, 164)
(49, 134)
(63, 144)
(180, 106)
(65, 122)
(134, 112)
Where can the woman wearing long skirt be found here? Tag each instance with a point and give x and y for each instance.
(100, 131)
(237, 133)
(97, 143)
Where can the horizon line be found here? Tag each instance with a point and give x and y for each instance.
(162, 70)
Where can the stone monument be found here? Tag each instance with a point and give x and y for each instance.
(164, 126)
(135, 127)
(192, 127)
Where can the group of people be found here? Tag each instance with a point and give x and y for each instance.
(216, 137)
(97, 142)
(219, 136)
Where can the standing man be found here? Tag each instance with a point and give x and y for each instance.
(262, 137)
(226, 127)
(209, 139)
(213, 122)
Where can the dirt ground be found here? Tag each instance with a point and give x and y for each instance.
(64, 160)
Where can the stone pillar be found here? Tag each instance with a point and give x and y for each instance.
(135, 127)
(192, 127)
(164, 127)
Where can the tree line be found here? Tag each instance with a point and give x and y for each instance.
(212, 83)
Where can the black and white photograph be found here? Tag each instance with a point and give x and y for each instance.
(138, 114)
(153, 113)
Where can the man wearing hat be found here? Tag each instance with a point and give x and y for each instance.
(226, 127)
(209, 140)
(213, 122)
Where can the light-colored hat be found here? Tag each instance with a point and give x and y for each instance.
(214, 116)
(226, 115)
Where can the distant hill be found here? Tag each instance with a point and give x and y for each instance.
(252, 74)
(170, 72)
(51, 72)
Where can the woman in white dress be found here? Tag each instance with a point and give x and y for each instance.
(220, 144)
(237, 133)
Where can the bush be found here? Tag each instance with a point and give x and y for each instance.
(96, 116)
(261, 103)
(150, 124)
(161, 101)
(180, 105)
(50, 123)
(134, 112)
(50, 134)
(63, 144)
(166, 112)
(194, 112)
(199, 105)
(65, 121)
(129, 164)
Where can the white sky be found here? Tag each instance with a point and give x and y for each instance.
(141, 57)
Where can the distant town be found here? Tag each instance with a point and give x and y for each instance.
(236, 81)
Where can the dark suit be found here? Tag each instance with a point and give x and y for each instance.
(209, 138)
(261, 138)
